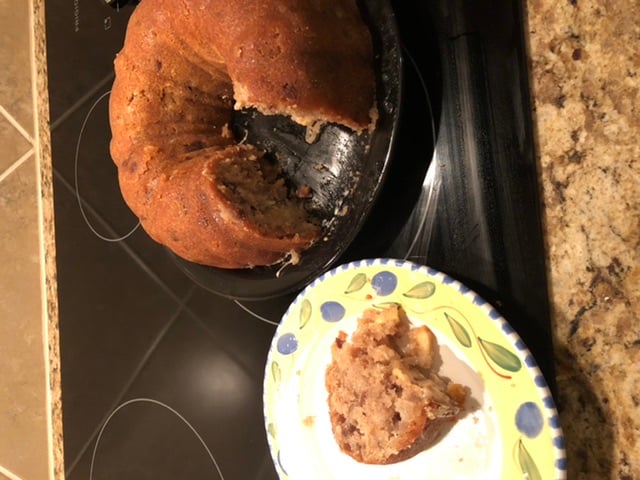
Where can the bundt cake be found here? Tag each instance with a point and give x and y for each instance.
(386, 400)
(183, 68)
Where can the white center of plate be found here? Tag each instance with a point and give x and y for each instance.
(472, 449)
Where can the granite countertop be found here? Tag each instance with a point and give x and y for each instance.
(585, 76)
(585, 68)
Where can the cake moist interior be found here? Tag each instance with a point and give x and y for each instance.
(386, 399)
(259, 192)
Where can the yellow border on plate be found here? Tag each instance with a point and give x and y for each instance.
(532, 440)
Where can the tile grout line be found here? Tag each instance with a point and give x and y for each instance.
(8, 473)
(16, 124)
(16, 164)
(25, 134)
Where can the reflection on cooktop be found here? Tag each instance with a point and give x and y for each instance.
(170, 421)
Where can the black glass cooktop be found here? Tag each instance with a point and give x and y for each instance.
(162, 378)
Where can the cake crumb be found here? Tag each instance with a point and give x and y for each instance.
(304, 191)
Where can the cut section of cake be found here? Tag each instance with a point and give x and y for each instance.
(387, 401)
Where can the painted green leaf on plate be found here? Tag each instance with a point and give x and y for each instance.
(501, 356)
(271, 428)
(527, 464)
(383, 305)
(276, 373)
(421, 290)
(357, 282)
(305, 313)
(459, 331)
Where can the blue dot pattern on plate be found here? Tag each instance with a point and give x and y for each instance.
(529, 419)
(554, 421)
(559, 442)
(508, 329)
(287, 344)
(561, 464)
(332, 311)
(384, 283)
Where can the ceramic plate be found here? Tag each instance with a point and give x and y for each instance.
(510, 429)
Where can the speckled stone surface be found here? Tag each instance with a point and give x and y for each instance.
(47, 235)
(585, 70)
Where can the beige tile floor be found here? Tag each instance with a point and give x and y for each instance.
(23, 395)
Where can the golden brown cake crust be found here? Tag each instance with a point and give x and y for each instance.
(309, 58)
(172, 98)
(386, 402)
